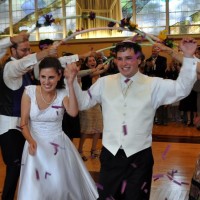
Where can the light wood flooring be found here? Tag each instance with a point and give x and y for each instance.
(175, 148)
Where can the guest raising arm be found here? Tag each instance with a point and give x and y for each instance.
(9, 41)
(188, 46)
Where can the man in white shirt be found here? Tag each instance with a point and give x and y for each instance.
(129, 100)
(14, 77)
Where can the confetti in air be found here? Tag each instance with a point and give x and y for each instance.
(99, 186)
(37, 174)
(143, 185)
(88, 91)
(17, 162)
(57, 107)
(133, 165)
(124, 183)
(21, 127)
(55, 147)
(47, 174)
(125, 129)
(145, 191)
(110, 198)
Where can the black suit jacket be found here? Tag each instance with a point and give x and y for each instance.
(161, 65)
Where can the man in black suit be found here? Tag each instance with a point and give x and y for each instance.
(156, 66)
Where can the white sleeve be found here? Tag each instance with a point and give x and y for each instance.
(84, 98)
(84, 72)
(4, 44)
(36, 70)
(166, 91)
(15, 69)
(68, 60)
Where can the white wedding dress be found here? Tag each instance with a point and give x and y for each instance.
(56, 171)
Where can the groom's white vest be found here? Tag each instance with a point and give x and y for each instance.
(127, 120)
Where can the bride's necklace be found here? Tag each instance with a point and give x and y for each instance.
(43, 99)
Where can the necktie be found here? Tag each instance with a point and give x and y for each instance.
(127, 86)
(127, 80)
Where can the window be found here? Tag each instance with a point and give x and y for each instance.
(25, 14)
(152, 16)
(184, 17)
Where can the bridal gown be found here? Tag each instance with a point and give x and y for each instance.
(56, 171)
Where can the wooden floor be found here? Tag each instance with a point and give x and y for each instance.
(175, 149)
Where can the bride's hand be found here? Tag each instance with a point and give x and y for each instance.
(70, 72)
(32, 147)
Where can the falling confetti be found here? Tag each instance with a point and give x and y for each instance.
(134, 165)
(55, 147)
(110, 198)
(21, 127)
(37, 174)
(125, 129)
(143, 185)
(57, 107)
(88, 91)
(47, 174)
(99, 186)
(145, 191)
(124, 183)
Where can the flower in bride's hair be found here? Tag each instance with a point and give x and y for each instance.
(92, 15)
